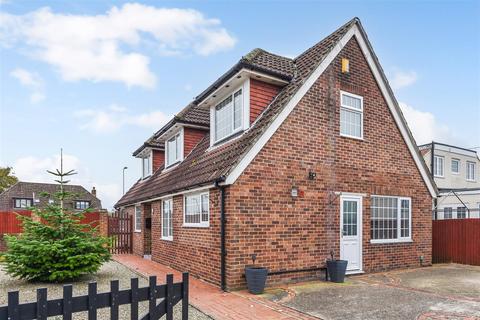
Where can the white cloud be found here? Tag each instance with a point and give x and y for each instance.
(426, 128)
(108, 47)
(32, 81)
(34, 169)
(401, 79)
(114, 117)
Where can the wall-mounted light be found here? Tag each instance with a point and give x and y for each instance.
(312, 175)
(294, 192)
(345, 65)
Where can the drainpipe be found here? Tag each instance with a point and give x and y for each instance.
(223, 251)
(432, 162)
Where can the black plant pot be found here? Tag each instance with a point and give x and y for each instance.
(256, 278)
(336, 270)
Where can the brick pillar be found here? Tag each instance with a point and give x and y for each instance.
(103, 224)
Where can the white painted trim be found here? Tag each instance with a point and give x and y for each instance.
(468, 162)
(135, 218)
(341, 193)
(265, 137)
(399, 220)
(435, 166)
(359, 200)
(180, 134)
(348, 108)
(170, 195)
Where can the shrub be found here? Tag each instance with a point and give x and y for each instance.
(55, 246)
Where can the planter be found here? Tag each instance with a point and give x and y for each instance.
(336, 270)
(256, 278)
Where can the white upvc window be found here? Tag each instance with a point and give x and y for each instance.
(147, 165)
(167, 220)
(461, 212)
(22, 203)
(174, 149)
(351, 115)
(470, 171)
(196, 210)
(138, 218)
(391, 219)
(447, 213)
(438, 166)
(455, 166)
(228, 116)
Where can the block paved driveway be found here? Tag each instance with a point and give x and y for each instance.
(447, 291)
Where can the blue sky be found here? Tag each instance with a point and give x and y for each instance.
(98, 80)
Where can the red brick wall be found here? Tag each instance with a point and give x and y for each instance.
(191, 137)
(138, 237)
(196, 250)
(261, 94)
(289, 234)
(158, 159)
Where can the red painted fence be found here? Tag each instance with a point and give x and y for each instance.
(10, 224)
(456, 240)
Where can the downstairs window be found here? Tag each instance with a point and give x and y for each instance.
(196, 210)
(390, 219)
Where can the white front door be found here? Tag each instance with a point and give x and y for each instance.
(351, 232)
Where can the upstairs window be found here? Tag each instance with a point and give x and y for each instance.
(229, 116)
(455, 166)
(22, 203)
(82, 205)
(470, 171)
(438, 163)
(461, 212)
(447, 213)
(147, 165)
(196, 210)
(174, 149)
(351, 115)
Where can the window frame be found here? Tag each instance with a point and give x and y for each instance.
(20, 199)
(458, 166)
(450, 209)
(435, 166)
(348, 108)
(399, 238)
(201, 224)
(150, 163)
(135, 216)
(473, 164)
(82, 201)
(162, 235)
(234, 131)
(464, 211)
(180, 135)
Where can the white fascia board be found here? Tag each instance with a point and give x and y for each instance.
(262, 141)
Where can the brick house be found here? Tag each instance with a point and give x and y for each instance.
(288, 159)
(23, 195)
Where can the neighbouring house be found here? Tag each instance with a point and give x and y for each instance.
(288, 159)
(454, 170)
(24, 195)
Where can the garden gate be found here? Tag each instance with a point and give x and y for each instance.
(120, 230)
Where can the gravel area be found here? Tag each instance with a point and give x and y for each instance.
(109, 271)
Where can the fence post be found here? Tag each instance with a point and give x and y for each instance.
(185, 296)
(42, 304)
(114, 299)
(67, 302)
(152, 300)
(134, 298)
(13, 312)
(169, 297)
(92, 301)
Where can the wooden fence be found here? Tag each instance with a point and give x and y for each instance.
(10, 224)
(120, 230)
(456, 241)
(170, 293)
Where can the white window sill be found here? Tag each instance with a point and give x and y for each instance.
(167, 238)
(137, 231)
(171, 166)
(351, 137)
(391, 241)
(439, 176)
(196, 225)
(470, 180)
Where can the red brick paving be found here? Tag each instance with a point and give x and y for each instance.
(213, 301)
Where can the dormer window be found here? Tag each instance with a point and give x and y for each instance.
(147, 165)
(174, 149)
(229, 116)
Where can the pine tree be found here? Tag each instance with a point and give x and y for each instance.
(55, 246)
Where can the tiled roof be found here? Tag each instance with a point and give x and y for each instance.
(203, 166)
